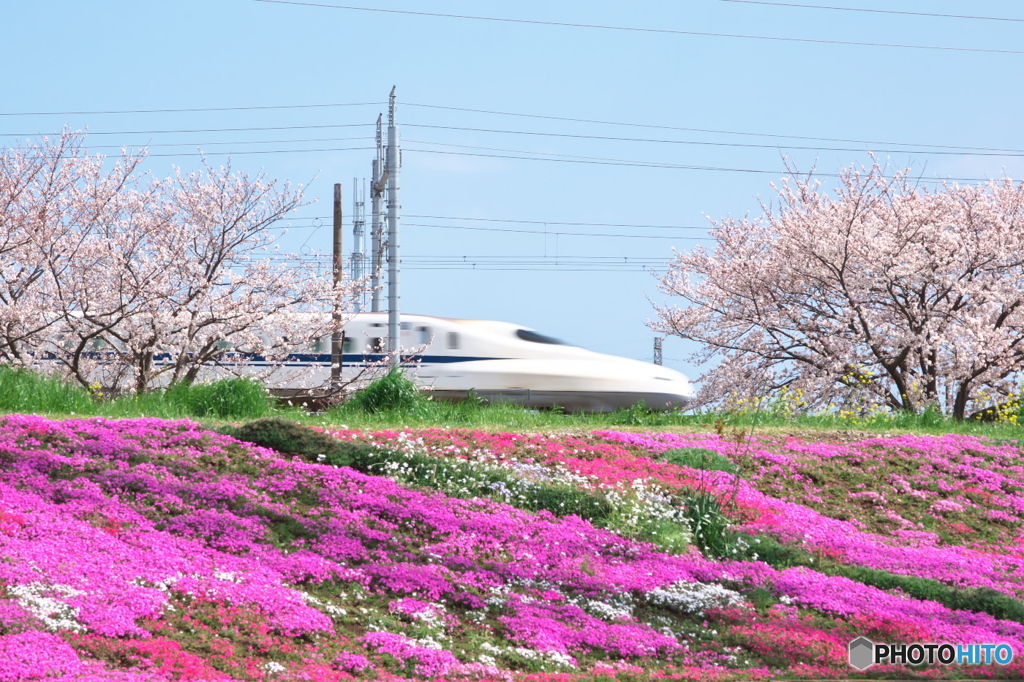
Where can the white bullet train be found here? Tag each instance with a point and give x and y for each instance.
(500, 361)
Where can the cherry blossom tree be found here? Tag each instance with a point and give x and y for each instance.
(52, 198)
(877, 294)
(136, 282)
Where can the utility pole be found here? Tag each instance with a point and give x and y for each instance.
(338, 337)
(657, 349)
(394, 326)
(358, 221)
(377, 185)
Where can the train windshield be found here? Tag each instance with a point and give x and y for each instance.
(528, 335)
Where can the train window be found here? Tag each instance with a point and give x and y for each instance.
(422, 335)
(535, 337)
(348, 345)
(406, 326)
(453, 340)
(376, 345)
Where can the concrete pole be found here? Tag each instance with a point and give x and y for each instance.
(338, 338)
(394, 323)
(376, 226)
(358, 221)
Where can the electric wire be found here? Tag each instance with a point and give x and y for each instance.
(698, 130)
(189, 110)
(531, 222)
(942, 150)
(553, 233)
(89, 133)
(556, 222)
(262, 151)
(1007, 152)
(964, 148)
(876, 11)
(643, 29)
(161, 145)
(661, 165)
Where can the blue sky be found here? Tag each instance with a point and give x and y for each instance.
(711, 119)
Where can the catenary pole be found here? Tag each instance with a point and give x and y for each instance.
(394, 323)
(358, 223)
(338, 337)
(376, 226)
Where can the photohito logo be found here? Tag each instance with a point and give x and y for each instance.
(864, 653)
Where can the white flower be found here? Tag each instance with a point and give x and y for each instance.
(43, 602)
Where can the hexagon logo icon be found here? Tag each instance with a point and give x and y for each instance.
(862, 653)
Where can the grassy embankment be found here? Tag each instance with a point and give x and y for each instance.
(392, 405)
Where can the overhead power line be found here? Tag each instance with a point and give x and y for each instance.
(963, 148)
(551, 233)
(946, 150)
(654, 164)
(555, 222)
(89, 133)
(555, 233)
(640, 28)
(1008, 152)
(263, 151)
(875, 11)
(537, 222)
(697, 130)
(162, 145)
(180, 111)
(506, 263)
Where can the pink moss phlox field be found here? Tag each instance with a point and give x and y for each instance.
(904, 551)
(157, 550)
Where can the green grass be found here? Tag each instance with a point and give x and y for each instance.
(25, 391)
(390, 404)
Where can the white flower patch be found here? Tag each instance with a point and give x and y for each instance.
(556, 657)
(608, 611)
(429, 643)
(227, 576)
(695, 598)
(329, 609)
(43, 602)
(611, 608)
(274, 668)
(643, 503)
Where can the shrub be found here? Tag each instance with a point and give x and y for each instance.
(238, 398)
(637, 414)
(699, 458)
(777, 555)
(710, 527)
(564, 500)
(984, 600)
(312, 445)
(393, 392)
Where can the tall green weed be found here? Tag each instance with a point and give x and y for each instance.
(23, 390)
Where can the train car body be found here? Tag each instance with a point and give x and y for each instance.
(452, 359)
(500, 361)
